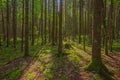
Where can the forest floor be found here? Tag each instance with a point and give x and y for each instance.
(47, 65)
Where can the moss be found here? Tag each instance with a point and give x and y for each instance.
(97, 66)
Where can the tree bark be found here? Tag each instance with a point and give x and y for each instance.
(14, 24)
(7, 23)
(26, 28)
(33, 19)
(60, 29)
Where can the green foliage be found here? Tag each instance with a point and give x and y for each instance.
(31, 76)
(13, 75)
(2, 3)
(117, 2)
(36, 31)
(9, 54)
(116, 46)
(65, 77)
(48, 73)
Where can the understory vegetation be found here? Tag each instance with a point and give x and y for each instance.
(45, 63)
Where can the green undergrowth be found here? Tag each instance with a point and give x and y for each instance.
(116, 46)
(55, 65)
(31, 76)
(13, 75)
(8, 54)
(96, 66)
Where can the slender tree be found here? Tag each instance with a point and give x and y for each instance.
(26, 28)
(7, 23)
(33, 22)
(3, 25)
(111, 33)
(14, 24)
(84, 31)
(80, 19)
(53, 26)
(45, 17)
(105, 29)
(49, 22)
(42, 8)
(23, 20)
(60, 28)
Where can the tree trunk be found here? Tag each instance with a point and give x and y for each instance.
(60, 29)
(3, 25)
(80, 19)
(14, 24)
(7, 23)
(53, 26)
(45, 17)
(26, 28)
(42, 21)
(22, 41)
(33, 19)
(96, 62)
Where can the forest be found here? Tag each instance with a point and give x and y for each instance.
(59, 40)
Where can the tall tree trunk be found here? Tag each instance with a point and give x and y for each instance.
(14, 24)
(49, 22)
(105, 29)
(23, 15)
(60, 29)
(56, 24)
(7, 23)
(84, 30)
(80, 19)
(111, 25)
(42, 21)
(45, 17)
(3, 25)
(53, 26)
(26, 28)
(74, 20)
(33, 19)
(96, 62)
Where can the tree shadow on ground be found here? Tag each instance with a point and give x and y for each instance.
(18, 64)
(63, 68)
(16, 68)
